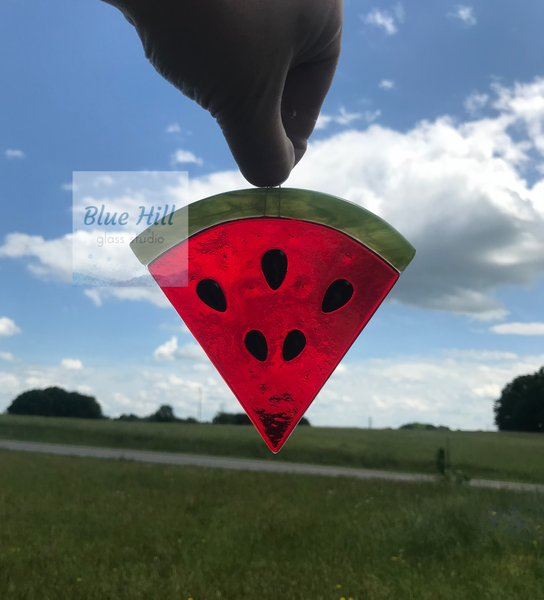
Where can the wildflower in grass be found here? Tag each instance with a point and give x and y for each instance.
(394, 558)
(338, 586)
(79, 579)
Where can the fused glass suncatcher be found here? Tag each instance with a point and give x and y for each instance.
(280, 283)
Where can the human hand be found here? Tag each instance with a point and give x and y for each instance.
(261, 67)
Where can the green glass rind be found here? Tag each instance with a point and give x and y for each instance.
(291, 203)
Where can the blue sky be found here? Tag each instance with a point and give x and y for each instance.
(435, 121)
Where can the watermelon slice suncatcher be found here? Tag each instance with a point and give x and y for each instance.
(280, 282)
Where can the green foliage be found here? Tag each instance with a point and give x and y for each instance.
(441, 461)
(424, 427)
(92, 529)
(128, 417)
(521, 405)
(165, 414)
(56, 402)
(225, 418)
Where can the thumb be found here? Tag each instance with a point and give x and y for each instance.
(256, 137)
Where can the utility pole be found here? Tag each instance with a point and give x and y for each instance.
(370, 422)
(200, 404)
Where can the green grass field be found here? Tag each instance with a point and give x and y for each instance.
(90, 529)
(505, 456)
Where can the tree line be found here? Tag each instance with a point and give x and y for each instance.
(57, 402)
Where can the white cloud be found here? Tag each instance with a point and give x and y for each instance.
(475, 102)
(50, 259)
(68, 187)
(371, 115)
(481, 355)
(180, 327)
(8, 356)
(519, 329)
(85, 389)
(42, 380)
(381, 19)
(386, 84)
(342, 118)
(490, 390)
(121, 399)
(323, 121)
(104, 181)
(14, 154)
(173, 128)
(341, 369)
(523, 105)
(464, 14)
(398, 11)
(154, 295)
(171, 351)
(8, 327)
(9, 384)
(345, 118)
(71, 363)
(184, 156)
(458, 392)
(384, 19)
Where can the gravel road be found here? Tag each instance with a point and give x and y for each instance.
(243, 464)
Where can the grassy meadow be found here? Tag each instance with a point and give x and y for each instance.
(504, 456)
(90, 529)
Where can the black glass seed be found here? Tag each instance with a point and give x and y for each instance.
(210, 292)
(338, 294)
(256, 345)
(274, 265)
(294, 344)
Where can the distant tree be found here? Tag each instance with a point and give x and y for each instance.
(130, 417)
(56, 402)
(224, 418)
(165, 414)
(521, 405)
(424, 427)
(190, 420)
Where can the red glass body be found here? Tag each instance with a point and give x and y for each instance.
(275, 393)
